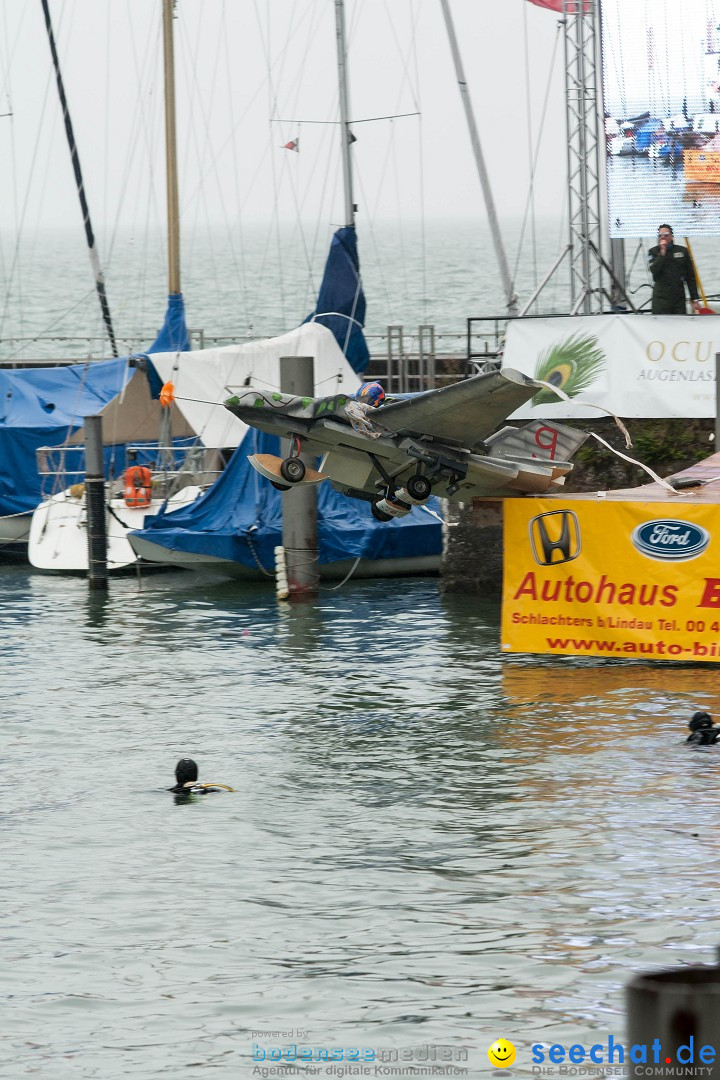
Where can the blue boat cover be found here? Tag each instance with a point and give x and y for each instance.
(173, 337)
(341, 292)
(239, 519)
(44, 407)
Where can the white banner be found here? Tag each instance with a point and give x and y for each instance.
(635, 365)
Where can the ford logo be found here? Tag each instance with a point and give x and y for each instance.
(670, 539)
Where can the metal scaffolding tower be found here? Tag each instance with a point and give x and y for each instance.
(593, 282)
(583, 100)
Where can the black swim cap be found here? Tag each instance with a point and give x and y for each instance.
(700, 720)
(186, 770)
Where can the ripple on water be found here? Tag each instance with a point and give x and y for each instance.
(429, 843)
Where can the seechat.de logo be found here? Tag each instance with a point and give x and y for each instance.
(669, 539)
(555, 537)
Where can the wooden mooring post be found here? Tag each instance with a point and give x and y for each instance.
(673, 1020)
(95, 504)
(299, 504)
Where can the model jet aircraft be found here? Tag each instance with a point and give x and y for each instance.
(447, 442)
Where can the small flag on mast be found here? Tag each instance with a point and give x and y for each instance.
(294, 144)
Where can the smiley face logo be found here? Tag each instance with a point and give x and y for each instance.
(502, 1053)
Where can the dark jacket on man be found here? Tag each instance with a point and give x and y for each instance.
(671, 273)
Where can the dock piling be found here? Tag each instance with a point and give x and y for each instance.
(95, 504)
(299, 503)
(673, 1014)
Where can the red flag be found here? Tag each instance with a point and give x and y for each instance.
(294, 144)
(554, 5)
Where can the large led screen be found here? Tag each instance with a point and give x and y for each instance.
(661, 75)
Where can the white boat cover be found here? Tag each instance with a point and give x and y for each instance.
(203, 379)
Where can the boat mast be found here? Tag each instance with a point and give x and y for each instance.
(165, 452)
(345, 135)
(510, 297)
(173, 202)
(85, 209)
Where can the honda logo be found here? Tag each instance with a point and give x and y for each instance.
(555, 537)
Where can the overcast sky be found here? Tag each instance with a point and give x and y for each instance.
(251, 76)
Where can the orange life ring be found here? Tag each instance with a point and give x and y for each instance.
(138, 486)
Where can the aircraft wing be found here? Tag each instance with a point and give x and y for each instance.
(285, 414)
(462, 414)
(408, 439)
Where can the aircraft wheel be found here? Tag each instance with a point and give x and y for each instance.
(419, 487)
(293, 470)
(379, 515)
(280, 487)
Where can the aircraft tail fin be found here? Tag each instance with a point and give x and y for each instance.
(540, 440)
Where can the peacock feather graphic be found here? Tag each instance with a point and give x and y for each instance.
(571, 365)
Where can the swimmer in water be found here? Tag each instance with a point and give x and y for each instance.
(702, 732)
(187, 783)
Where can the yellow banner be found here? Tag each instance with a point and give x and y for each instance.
(596, 578)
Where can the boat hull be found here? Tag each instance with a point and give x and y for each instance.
(58, 539)
(335, 571)
(14, 532)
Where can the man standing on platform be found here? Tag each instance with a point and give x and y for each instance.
(672, 269)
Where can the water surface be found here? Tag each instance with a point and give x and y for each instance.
(430, 844)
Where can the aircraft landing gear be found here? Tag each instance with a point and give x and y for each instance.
(388, 507)
(379, 515)
(419, 488)
(280, 487)
(292, 470)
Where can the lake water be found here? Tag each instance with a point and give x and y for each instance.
(259, 283)
(430, 846)
(264, 281)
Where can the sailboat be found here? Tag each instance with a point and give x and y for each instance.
(57, 538)
(235, 526)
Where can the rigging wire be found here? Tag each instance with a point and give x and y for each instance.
(543, 115)
(198, 138)
(421, 171)
(79, 181)
(389, 171)
(531, 163)
(406, 64)
(20, 207)
(147, 133)
(292, 169)
(316, 19)
(46, 330)
(239, 265)
(5, 90)
(562, 232)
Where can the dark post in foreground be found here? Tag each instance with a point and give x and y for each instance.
(672, 1023)
(299, 504)
(95, 504)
